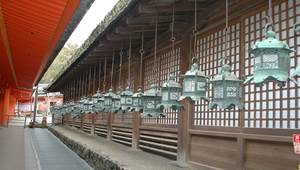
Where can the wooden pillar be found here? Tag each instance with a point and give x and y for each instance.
(241, 147)
(109, 126)
(6, 105)
(136, 122)
(81, 122)
(63, 120)
(73, 122)
(93, 124)
(184, 117)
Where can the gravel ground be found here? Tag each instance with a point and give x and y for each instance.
(123, 155)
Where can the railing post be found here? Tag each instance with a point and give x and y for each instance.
(63, 120)
(53, 123)
(184, 124)
(93, 124)
(184, 116)
(109, 126)
(81, 122)
(135, 130)
(73, 122)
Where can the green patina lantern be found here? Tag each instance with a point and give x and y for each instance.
(59, 108)
(64, 109)
(194, 84)
(271, 61)
(88, 106)
(108, 100)
(171, 91)
(81, 102)
(77, 113)
(226, 89)
(152, 98)
(126, 100)
(53, 110)
(137, 100)
(71, 107)
(116, 102)
(98, 101)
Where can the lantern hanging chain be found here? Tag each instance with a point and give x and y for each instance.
(142, 51)
(121, 57)
(195, 31)
(226, 32)
(90, 78)
(79, 87)
(104, 80)
(173, 39)
(155, 46)
(100, 73)
(82, 84)
(112, 69)
(86, 82)
(94, 82)
(129, 59)
(270, 17)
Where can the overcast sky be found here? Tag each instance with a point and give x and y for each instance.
(92, 18)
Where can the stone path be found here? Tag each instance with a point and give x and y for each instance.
(53, 154)
(119, 154)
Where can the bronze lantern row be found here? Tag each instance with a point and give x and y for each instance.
(271, 64)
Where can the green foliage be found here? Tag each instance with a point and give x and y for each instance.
(114, 13)
(59, 62)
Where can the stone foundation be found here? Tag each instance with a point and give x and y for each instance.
(95, 159)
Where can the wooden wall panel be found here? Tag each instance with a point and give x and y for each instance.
(270, 156)
(212, 151)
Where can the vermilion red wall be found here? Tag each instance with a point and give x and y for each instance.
(7, 105)
(1, 108)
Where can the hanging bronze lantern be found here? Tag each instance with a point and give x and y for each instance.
(271, 61)
(98, 101)
(137, 100)
(171, 91)
(71, 107)
(108, 100)
(64, 109)
(77, 113)
(226, 89)
(116, 102)
(194, 84)
(151, 99)
(88, 106)
(126, 100)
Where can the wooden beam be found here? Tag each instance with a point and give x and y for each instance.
(178, 26)
(152, 19)
(147, 9)
(127, 36)
(132, 29)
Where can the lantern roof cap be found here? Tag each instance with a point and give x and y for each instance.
(226, 75)
(171, 82)
(116, 96)
(110, 93)
(270, 42)
(127, 92)
(153, 91)
(98, 94)
(139, 93)
(194, 71)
